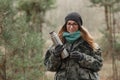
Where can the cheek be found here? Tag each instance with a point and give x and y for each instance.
(76, 28)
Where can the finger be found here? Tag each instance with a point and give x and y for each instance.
(59, 46)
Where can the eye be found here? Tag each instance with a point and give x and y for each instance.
(72, 24)
(68, 23)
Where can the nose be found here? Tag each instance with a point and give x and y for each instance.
(71, 27)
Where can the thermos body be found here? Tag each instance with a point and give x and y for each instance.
(56, 40)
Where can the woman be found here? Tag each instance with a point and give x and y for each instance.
(84, 60)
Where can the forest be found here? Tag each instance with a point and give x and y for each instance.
(24, 34)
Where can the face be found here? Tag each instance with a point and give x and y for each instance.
(72, 26)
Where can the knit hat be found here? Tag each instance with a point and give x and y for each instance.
(75, 17)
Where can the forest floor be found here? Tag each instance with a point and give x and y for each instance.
(106, 72)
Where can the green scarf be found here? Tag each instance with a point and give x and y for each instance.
(71, 37)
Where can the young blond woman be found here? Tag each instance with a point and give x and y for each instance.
(84, 60)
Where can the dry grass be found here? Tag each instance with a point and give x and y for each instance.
(106, 71)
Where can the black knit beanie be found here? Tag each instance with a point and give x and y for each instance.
(75, 17)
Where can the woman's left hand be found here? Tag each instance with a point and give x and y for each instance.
(76, 55)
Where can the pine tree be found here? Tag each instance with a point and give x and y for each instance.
(111, 7)
(21, 36)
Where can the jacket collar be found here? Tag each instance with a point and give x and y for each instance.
(72, 46)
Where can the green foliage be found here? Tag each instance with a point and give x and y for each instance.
(95, 1)
(104, 41)
(117, 47)
(111, 7)
(114, 3)
(117, 44)
(23, 44)
(5, 5)
(37, 5)
(24, 49)
(105, 45)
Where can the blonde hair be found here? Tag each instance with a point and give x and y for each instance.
(85, 35)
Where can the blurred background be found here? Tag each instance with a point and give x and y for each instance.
(24, 34)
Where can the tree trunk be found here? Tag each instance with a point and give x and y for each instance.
(111, 38)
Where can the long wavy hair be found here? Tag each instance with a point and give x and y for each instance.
(85, 35)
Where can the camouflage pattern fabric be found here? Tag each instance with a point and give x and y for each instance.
(68, 69)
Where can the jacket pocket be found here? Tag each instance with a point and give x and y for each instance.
(83, 74)
(60, 75)
(94, 76)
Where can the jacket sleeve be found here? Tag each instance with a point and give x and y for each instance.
(51, 62)
(92, 62)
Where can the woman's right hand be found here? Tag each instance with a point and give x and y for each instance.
(58, 50)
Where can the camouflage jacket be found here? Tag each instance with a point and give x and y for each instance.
(68, 69)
